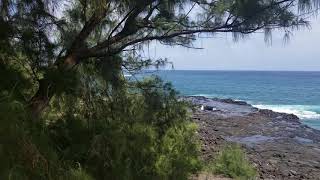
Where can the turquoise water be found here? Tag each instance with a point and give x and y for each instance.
(290, 92)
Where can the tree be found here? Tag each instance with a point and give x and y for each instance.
(51, 38)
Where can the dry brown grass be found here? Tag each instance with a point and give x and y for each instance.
(208, 176)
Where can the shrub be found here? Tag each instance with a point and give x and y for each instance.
(140, 133)
(77, 174)
(179, 157)
(232, 162)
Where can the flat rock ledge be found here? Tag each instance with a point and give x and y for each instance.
(278, 144)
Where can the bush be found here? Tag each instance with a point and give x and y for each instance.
(179, 157)
(139, 133)
(232, 162)
(77, 174)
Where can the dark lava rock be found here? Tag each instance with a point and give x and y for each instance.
(231, 101)
(277, 143)
(209, 108)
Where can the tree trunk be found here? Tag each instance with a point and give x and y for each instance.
(41, 99)
(46, 91)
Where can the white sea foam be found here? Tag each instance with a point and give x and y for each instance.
(205, 95)
(310, 112)
(302, 111)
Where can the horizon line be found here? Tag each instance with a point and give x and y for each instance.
(278, 70)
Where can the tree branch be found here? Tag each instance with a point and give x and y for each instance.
(130, 26)
(86, 30)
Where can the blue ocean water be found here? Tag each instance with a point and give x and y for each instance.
(282, 91)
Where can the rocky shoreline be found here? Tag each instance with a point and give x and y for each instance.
(278, 144)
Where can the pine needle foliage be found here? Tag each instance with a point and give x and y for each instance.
(136, 130)
(52, 38)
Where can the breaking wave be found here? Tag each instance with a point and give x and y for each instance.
(302, 111)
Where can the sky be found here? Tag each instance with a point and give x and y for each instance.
(301, 53)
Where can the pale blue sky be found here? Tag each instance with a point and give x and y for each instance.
(221, 53)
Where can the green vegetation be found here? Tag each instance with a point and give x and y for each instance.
(66, 109)
(232, 162)
(77, 174)
(138, 133)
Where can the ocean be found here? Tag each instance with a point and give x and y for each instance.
(282, 91)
